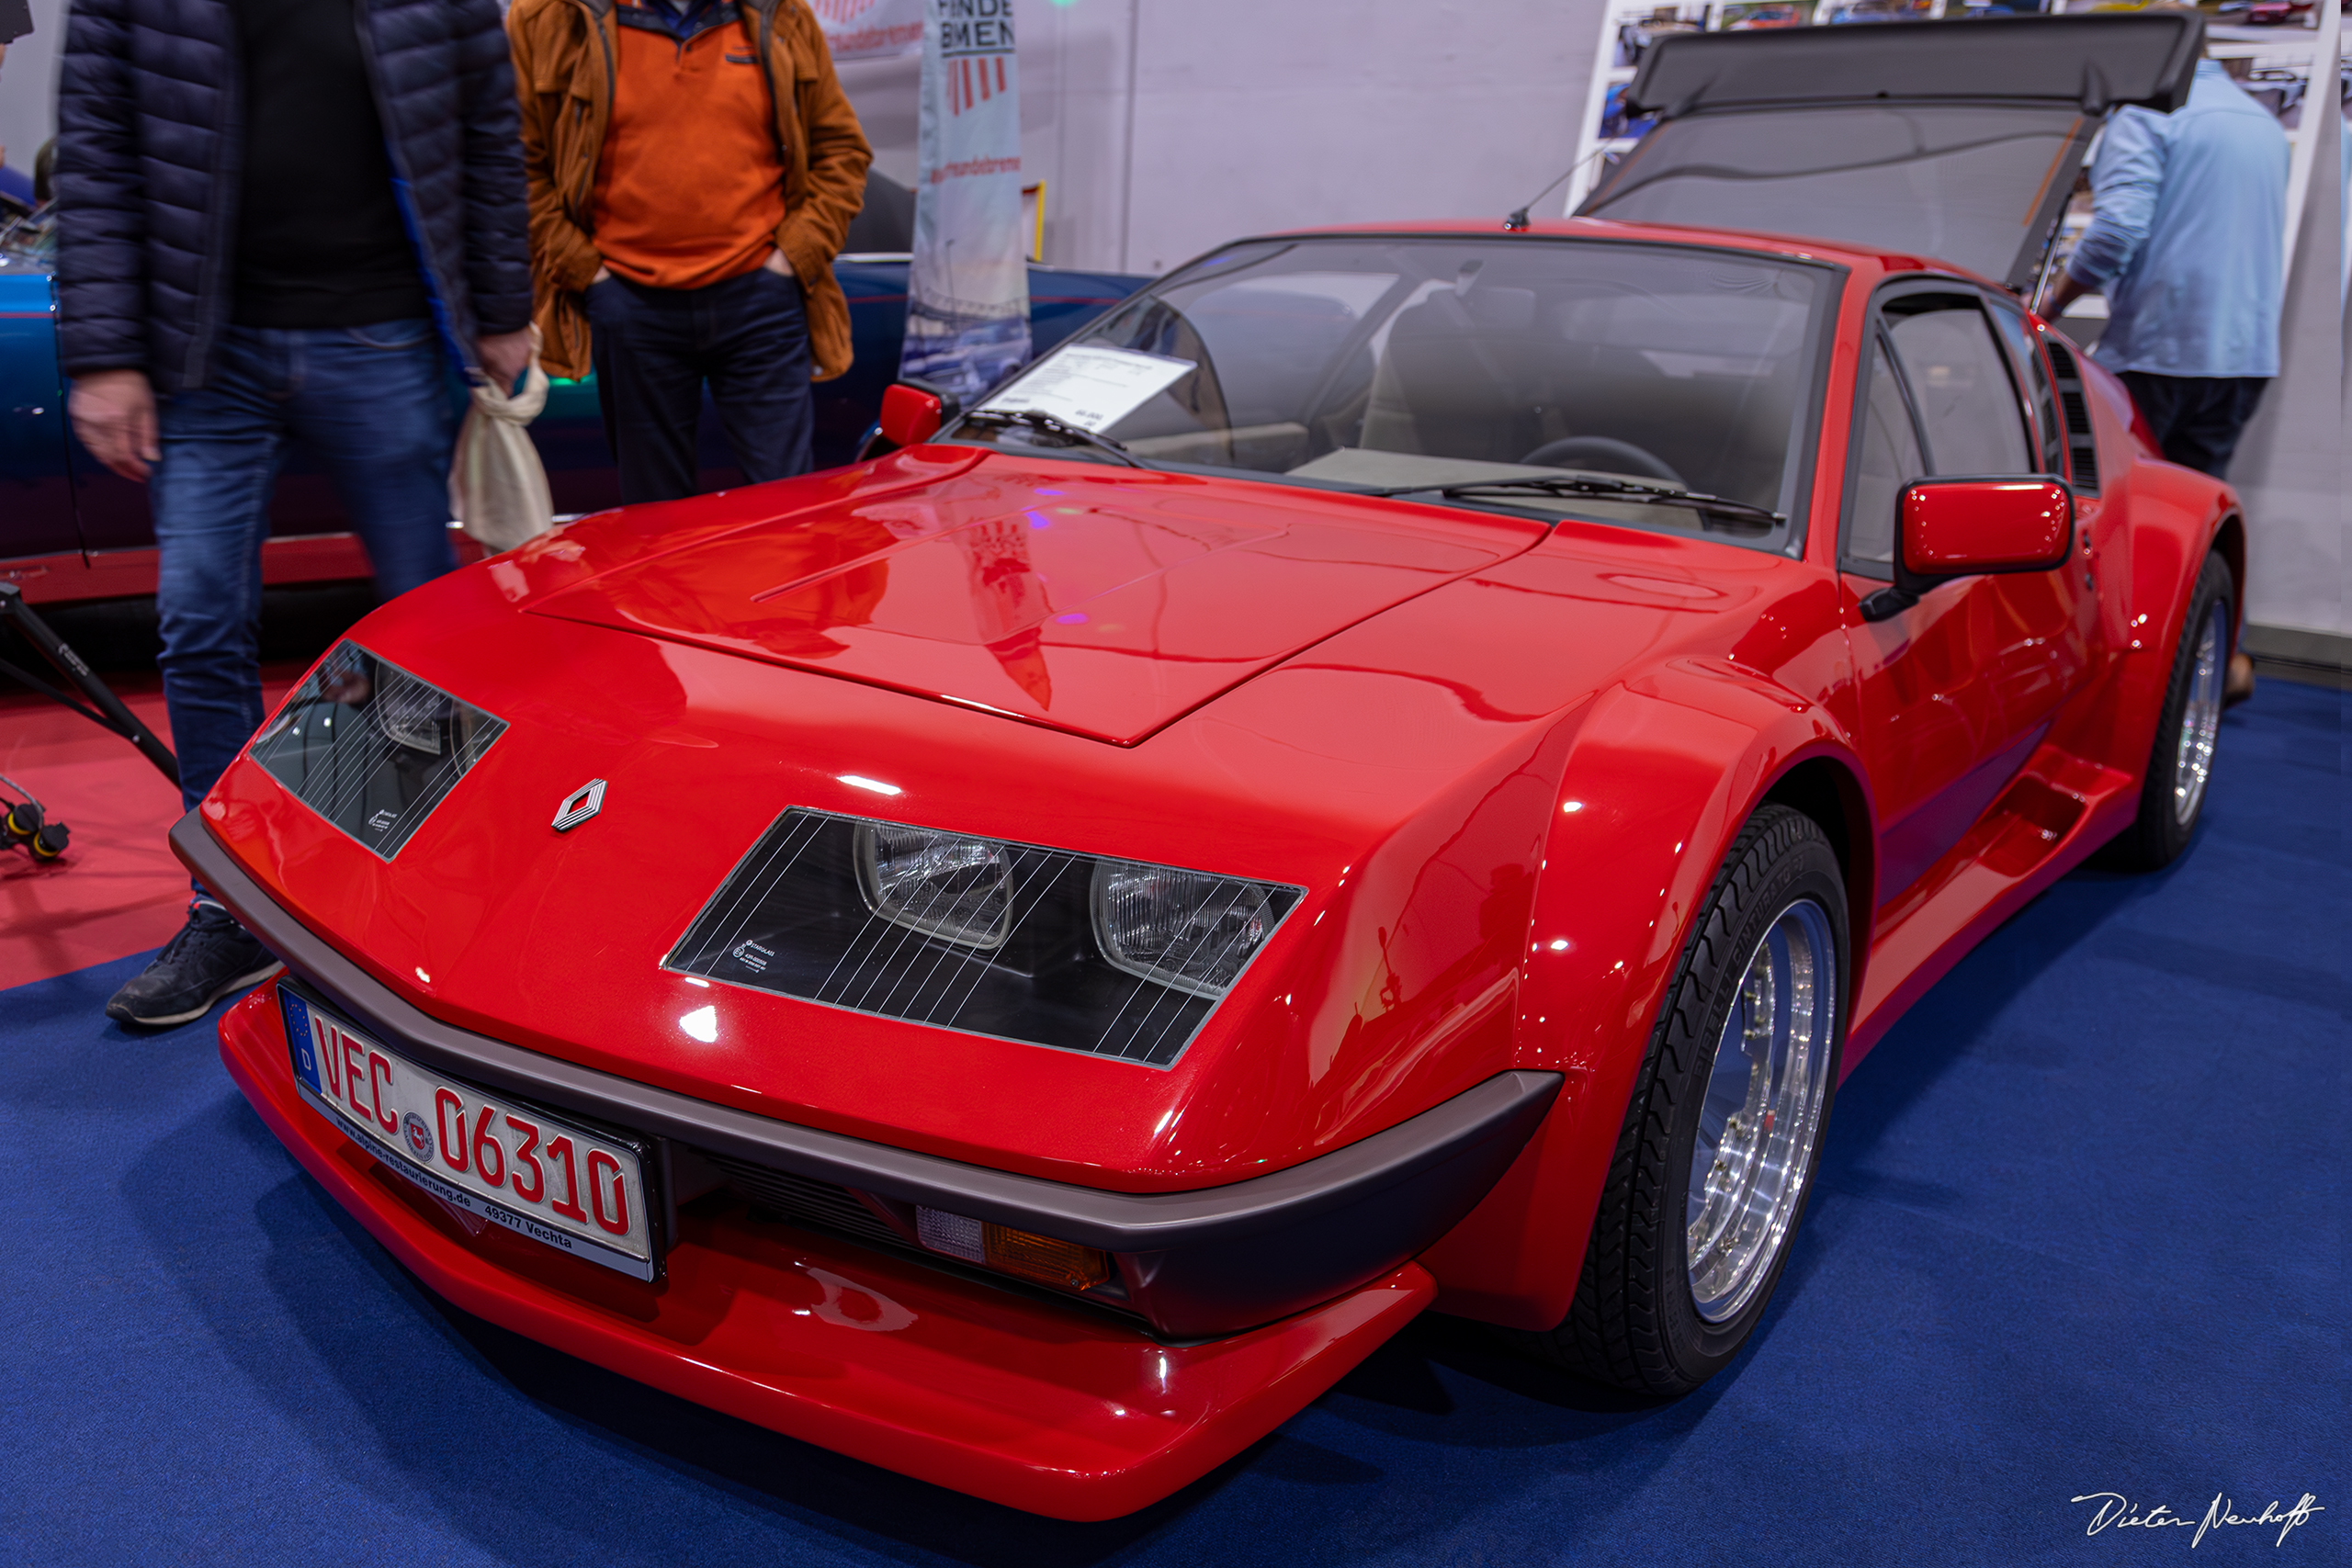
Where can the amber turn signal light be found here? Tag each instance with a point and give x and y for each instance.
(1040, 1260)
(1064, 1265)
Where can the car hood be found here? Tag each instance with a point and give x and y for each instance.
(1103, 601)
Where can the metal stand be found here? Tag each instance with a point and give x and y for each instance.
(104, 708)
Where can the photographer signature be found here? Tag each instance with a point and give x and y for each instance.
(2115, 1509)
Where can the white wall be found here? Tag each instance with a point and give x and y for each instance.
(29, 85)
(2289, 469)
(1164, 127)
(1252, 115)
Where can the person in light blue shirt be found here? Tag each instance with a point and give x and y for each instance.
(2189, 214)
(2187, 236)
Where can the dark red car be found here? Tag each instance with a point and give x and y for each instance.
(1397, 771)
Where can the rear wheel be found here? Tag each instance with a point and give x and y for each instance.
(1717, 1153)
(2180, 764)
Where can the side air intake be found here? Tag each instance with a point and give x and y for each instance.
(2082, 446)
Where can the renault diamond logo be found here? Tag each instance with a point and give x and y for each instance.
(579, 804)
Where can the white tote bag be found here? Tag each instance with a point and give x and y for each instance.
(497, 488)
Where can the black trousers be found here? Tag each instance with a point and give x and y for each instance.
(2197, 419)
(656, 348)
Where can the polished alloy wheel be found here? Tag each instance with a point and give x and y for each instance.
(1762, 1112)
(2200, 718)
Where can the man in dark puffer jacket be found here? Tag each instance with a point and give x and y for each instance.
(274, 217)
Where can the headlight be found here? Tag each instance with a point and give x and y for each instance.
(371, 748)
(1111, 957)
(942, 886)
(1179, 928)
(408, 712)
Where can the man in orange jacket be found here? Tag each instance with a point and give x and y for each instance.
(694, 167)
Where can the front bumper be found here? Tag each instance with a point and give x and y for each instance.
(1282, 1284)
(1020, 1401)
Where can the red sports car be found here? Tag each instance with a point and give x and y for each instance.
(1397, 771)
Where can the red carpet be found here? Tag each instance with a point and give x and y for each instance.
(117, 890)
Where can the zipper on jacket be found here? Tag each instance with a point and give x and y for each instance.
(228, 173)
(436, 289)
(576, 205)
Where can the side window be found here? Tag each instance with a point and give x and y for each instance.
(1890, 459)
(1968, 404)
(2042, 397)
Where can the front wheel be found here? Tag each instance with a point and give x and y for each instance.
(2180, 763)
(1717, 1153)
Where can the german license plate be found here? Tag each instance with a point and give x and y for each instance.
(553, 1180)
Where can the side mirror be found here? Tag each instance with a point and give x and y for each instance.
(912, 413)
(1968, 527)
(910, 416)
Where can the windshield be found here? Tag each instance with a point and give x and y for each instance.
(1383, 362)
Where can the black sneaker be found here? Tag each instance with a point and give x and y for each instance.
(212, 956)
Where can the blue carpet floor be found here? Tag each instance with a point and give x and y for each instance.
(2080, 1230)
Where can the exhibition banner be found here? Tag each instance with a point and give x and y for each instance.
(967, 292)
(869, 30)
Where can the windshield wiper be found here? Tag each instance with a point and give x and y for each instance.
(1614, 490)
(1053, 425)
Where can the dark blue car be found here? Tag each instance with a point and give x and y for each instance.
(71, 530)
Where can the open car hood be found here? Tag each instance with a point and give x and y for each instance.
(1106, 602)
(1957, 140)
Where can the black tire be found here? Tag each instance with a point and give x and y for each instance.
(2160, 832)
(1634, 1323)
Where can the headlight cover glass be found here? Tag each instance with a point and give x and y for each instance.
(939, 884)
(371, 748)
(1112, 958)
(1179, 928)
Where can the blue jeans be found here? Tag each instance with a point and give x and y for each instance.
(748, 337)
(372, 405)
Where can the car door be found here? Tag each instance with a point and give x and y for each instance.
(2041, 677)
(1958, 689)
